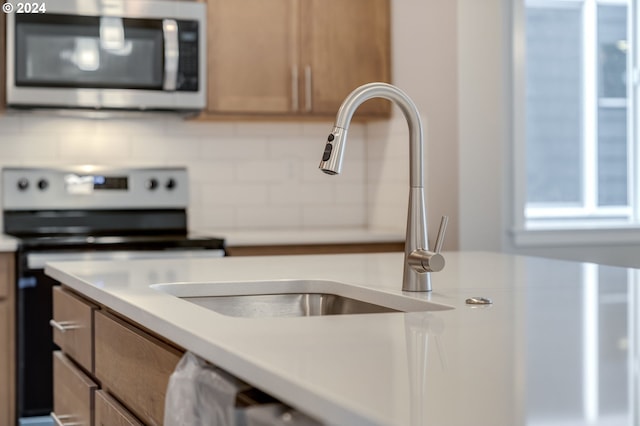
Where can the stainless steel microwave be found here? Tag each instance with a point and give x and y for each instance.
(144, 54)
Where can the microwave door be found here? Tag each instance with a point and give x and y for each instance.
(88, 52)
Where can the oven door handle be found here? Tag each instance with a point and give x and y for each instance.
(64, 326)
(171, 54)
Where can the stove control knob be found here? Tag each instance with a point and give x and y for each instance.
(43, 184)
(171, 184)
(152, 184)
(23, 184)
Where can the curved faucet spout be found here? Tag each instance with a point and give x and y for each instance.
(419, 262)
(333, 164)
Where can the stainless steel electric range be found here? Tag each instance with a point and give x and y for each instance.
(84, 213)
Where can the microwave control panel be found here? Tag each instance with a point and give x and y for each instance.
(188, 62)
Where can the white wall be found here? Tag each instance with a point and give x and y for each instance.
(486, 141)
(484, 150)
(424, 66)
(243, 175)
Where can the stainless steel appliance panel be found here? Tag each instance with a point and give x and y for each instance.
(108, 54)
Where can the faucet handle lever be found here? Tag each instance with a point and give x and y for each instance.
(441, 231)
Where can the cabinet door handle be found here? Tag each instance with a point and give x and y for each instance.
(308, 101)
(64, 326)
(295, 95)
(64, 420)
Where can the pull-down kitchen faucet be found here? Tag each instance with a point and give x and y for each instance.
(419, 262)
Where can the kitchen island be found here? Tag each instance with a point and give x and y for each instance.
(558, 345)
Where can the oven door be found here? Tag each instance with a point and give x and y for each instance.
(34, 310)
(116, 56)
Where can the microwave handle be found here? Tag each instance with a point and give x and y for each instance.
(171, 54)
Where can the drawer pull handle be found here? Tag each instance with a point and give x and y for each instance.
(64, 420)
(63, 326)
(308, 88)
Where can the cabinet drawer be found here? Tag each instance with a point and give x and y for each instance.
(73, 326)
(73, 392)
(109, 412)
(134, 366)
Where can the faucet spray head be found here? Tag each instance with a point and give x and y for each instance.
(331, 162)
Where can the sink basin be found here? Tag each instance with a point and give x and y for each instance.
(294, 298)
(287, 305)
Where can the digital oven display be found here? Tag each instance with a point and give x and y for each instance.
(86, 184)
(110, 182)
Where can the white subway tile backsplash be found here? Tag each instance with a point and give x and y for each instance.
(318, 131)
(208, 130)
(243, 175)
(264, 171)
(301, 148)
(86, 147)
(9, 125)
(234, 194)
(29, 148)
(234, 148)
(268, 129)
(350, 193)
(389, 170)
(390, 193)
(296, 193)
(388, 217)
(211, 171)
(333, 215)
(164, 149)
(38, 123)
(212, 216)
(387, 159)
(284, 217)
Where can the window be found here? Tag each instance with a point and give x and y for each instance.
(578, 145)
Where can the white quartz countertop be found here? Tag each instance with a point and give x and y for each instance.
(8, 243)
(267, 237)
(558, 346)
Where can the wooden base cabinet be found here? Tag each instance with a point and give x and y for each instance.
(109, 372)
(7, 339)
(131, 369)
(296, 58)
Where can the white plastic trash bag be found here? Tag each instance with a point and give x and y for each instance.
(277, 415)
(200, 394)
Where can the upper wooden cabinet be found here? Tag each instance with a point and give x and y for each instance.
(295, 57)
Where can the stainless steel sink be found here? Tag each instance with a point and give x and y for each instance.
(294, 298)
(287, 305)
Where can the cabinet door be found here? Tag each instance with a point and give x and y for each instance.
(252, 47)
(345, 43)
(110, 413)
(73, 391)
(133, 366)
(73, 330)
